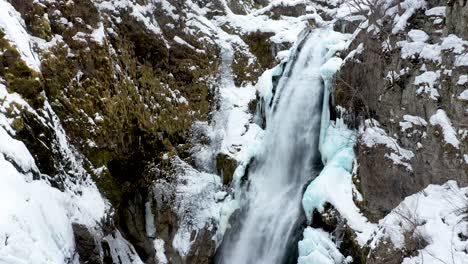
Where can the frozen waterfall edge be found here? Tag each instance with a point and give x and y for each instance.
(334, 185)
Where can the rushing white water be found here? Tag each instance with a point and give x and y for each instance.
(271, 206)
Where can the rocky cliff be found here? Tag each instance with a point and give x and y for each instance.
(127, 126)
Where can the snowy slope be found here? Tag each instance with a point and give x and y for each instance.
(13, 26)
(35, 217)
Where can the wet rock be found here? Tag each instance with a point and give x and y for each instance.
(132, 223)
(386, 253)
(86, 245)
(203, 249)
(226, 166)
(343, 236)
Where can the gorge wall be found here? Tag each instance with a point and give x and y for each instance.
(127, 126)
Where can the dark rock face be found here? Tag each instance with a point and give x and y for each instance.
(226, 167)
(203, 250)
(132, 223)
(361, 86)
(294, 11)
(87, 247)
(457, 18)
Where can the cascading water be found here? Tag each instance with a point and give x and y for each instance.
(271, 204)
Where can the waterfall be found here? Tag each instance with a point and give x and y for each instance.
(271, 202)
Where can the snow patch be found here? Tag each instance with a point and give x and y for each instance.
(438, 215)
(428, 84)
(464, 95)
(99, 34)
(160, 255)
(372, 135)
(441, 119)
(417, 35)
(318, 248)
(436, 11)
(462, 80)
(195, 204)
(410, 120)
(15, 31)
(461, 60)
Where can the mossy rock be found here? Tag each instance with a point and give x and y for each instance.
(226, 166)
(137, 92)
(18, 76)
(38, 138)
(244, 69)
(350, 247)
(261, 46)
(328, 220)
(35, 18)
(253, 106)
(110, 187)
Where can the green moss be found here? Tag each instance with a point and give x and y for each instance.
(261, 46)
(244, 70)
(34, 15)
(226, 167)
(38, 139)
(141, 105)
(342, 96)
(350, 247)
(111, 188)
(253, 106)
(18, 76)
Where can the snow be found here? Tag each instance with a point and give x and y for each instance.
(435, 214)
(422, 50)
(334, 183)
(464, 95)
(142, 13)
(331, 67)
(461, 60)
(462, 80)
(195, 204)
(318, 248)
(436, 11)
(17, 152)
(286, 29)
(15, 31)
(160, 255)
(417, 35)
(410, 7)
(454, 43)
(99, 34)
(410, 120)
(428, 83)
(121, 250)
(185, 43)
(351, 54)
(441, 119)
(35, 218)
(373, 135)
